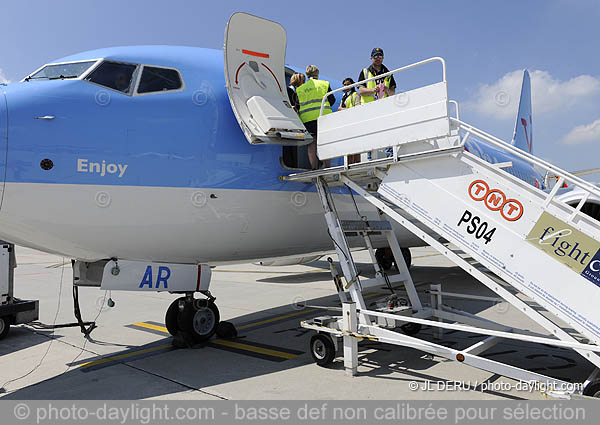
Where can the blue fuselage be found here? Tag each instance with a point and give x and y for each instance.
(90, 172)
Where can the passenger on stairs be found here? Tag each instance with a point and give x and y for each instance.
(295, 81)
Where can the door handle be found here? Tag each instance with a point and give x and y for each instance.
(45, 117)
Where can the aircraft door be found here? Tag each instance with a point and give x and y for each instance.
(3, 140)
(255, 78)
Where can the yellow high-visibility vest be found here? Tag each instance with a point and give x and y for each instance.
(371, 85)
(353, 99)
(310, 95)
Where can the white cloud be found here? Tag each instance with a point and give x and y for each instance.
(583, 134)
(501, 98)
(3, 79)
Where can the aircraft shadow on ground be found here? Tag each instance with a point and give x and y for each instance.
(202, 367)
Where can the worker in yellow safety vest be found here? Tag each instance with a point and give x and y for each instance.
(350, 99)
(310, 96)
(378, 88)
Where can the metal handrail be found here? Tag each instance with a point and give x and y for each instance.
(565, 175)
(455, 103)
(404, 68)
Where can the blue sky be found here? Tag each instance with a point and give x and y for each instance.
(485, 44)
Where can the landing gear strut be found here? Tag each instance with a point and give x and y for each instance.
(196, 319)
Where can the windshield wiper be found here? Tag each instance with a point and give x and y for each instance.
(62, 77)
(34, 78)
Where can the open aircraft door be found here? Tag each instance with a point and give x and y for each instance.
(3, 141)
(255, 78)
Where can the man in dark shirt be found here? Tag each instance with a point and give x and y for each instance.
(378, 88)
(372, 89)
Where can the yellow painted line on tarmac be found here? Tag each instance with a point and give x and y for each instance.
(274, 319)
(287, 316)
(248, 325)
(225, 343)
(126, 355)
(254, 349)
(151, 326)
(56, 266)
(266, 272)
(428, 255)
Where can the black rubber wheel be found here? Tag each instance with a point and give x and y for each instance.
(226, 330)
(199, 319)
(592, 389)
(407, 257)
(384, 258)
(411, 328)
(171, 317)
(4, 327)
(322, 349)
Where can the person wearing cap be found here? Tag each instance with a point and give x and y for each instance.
(310, 96)
(378, 88)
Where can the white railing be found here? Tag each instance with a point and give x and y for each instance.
(563, 176)
(455, 103)
(378, 77)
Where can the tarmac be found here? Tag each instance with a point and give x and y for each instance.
(130, 355)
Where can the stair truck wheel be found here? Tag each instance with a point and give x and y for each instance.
(592, 389)
(4, 326)
(322, 349)
(411, 329)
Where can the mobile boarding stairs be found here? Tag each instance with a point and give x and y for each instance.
(535, 252)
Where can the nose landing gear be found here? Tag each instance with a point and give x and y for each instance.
(195, 320)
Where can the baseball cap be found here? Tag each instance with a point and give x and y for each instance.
(376, 52)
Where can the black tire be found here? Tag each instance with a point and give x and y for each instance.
(592, 389)
(226, 330)
(4, 326)
(411, 329)
(384, 258)
(407, 257)
(322, 349)
(171, 317)
(199, 319)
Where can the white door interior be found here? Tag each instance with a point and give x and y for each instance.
(255, 77)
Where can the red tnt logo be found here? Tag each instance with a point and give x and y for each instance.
(495, 200)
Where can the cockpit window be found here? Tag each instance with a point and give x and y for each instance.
(61, 71)
(155, 79)
(114, 75)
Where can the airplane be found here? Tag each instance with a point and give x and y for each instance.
(147, 165)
